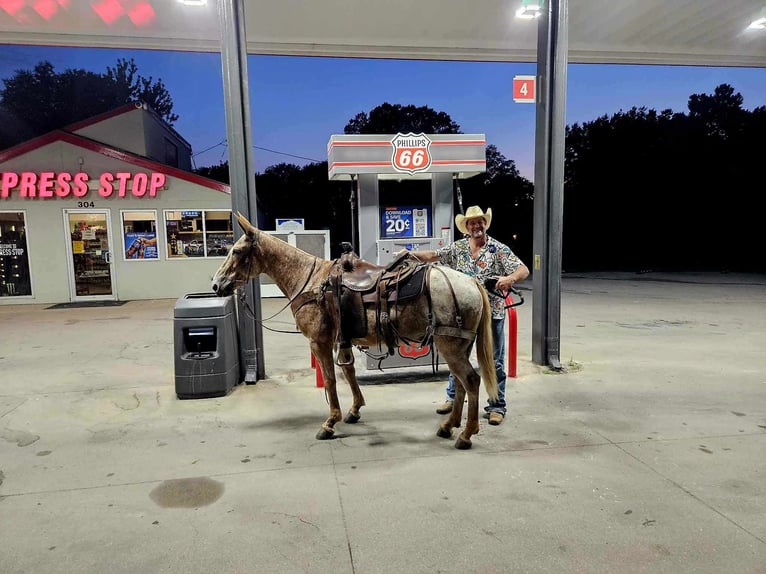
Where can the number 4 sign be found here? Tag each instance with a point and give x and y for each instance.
(524, 89)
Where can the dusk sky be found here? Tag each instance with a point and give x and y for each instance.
(298, 103)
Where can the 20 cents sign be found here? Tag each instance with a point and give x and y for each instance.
(412, 152)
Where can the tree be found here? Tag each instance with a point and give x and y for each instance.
(127, 80)
(676, 191)
(395, 118)
(34, 102)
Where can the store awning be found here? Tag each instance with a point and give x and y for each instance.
(690, 32)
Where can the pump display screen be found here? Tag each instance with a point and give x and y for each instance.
(409, 221)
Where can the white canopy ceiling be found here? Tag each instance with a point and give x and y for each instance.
(692, 32)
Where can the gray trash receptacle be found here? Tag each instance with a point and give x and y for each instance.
(206, 346)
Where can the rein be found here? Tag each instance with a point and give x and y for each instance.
(249, 311)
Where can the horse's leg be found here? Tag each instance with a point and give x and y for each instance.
(323, 354)
(472, 382)
(456, 415)
(353, 415)
(468, 380)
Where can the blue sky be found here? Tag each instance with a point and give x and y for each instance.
(297, 103)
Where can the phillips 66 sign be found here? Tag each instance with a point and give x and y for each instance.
(412, 153)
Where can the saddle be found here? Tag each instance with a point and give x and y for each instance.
(356, 285)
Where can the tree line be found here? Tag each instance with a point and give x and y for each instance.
(648, 190)
(644, 190)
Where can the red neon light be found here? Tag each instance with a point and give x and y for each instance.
(141, 14)
(46, 8)
(49, 184)
(108, 10)
(11, 6)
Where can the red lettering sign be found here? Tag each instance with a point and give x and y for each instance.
(48, 184)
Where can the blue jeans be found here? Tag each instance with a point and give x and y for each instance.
(498, 348)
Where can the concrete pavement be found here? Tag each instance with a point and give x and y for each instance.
(648, 455)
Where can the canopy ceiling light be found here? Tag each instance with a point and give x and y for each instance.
(759, 24)
(530, 9)
(193, 2)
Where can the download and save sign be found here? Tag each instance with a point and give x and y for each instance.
(410, 221)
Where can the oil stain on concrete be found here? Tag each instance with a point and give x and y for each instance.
(187, 492)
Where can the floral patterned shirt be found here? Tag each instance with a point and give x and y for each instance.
(495, 259)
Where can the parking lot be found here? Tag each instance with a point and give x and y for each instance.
(646, 455)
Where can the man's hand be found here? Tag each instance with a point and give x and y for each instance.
(505, 283)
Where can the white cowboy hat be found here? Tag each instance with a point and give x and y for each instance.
(472, 213)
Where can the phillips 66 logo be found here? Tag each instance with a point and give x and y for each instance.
(412, 152)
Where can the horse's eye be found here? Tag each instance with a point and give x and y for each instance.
(236, 251)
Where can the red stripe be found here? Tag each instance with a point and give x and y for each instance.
(359, 163)
(388, 143)
(464, 142)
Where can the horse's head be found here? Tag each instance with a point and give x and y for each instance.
(241, 264)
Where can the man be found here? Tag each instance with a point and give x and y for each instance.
(479, 255)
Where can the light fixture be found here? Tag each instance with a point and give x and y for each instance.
(193, 2)
(530, 9)
(759, 24)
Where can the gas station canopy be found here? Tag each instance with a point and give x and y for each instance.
(686, 32)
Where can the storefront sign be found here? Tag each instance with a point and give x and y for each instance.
(397, 222)
(48, 184)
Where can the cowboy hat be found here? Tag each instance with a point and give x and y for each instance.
(472, 213)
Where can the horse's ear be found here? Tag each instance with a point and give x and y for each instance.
(246, 226)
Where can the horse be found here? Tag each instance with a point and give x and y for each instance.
(449, 294)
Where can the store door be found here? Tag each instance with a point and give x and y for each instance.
(89, 249)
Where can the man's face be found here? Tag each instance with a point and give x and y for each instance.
(476, 227)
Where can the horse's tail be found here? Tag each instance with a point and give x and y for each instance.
(484, 347)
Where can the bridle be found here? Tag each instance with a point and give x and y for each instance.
(242, 296)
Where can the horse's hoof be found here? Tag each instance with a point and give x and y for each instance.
(444, 433)
(352, 418)
(325, 434)
(462, 444)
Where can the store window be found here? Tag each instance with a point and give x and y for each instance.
(139, 235)
(15, 279)
(198, 233)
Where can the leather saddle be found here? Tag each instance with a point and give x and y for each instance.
(357, 285)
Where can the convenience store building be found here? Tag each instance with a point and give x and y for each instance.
(108, 209)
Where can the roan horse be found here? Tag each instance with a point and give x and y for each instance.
(303, 278)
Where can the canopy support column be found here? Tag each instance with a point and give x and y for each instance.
(231, 14)
(552, 58)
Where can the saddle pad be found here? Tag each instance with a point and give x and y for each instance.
(412, 286)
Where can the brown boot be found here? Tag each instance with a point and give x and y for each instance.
(495, 418)
(446, 408)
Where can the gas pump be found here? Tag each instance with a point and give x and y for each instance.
(403, 193)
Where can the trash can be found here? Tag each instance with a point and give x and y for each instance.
(206, 346)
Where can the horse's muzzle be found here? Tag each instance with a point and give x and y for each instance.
(223, 287)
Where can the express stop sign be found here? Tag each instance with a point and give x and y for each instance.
(524, 89)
